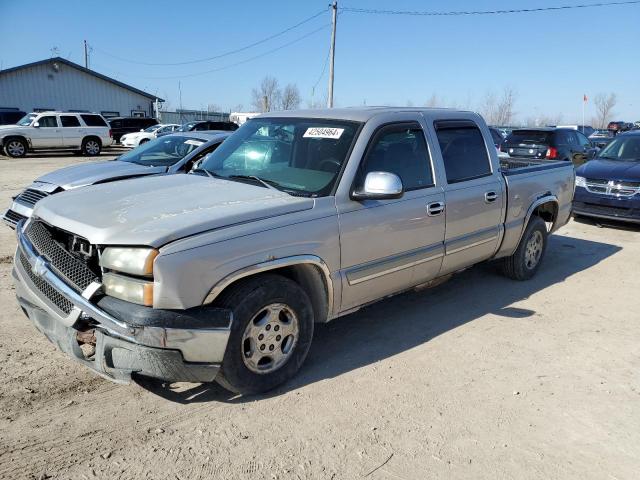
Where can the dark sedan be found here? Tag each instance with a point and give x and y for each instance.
(207, 125)
(609, 186)
(550, 143)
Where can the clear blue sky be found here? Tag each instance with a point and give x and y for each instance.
(549, 58)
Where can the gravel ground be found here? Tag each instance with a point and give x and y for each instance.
(478, 378)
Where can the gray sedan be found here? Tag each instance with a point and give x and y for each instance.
(175, 153)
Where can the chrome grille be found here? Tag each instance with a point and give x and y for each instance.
(77, 274)
(31, 196)
(13, 217)
(614, 188)
(55, 297)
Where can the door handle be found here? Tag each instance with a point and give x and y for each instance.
(490, 197)
(435, 208)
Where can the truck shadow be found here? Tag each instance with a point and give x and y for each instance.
(392, 326)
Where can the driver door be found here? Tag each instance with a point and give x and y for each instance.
(391, 245)
(48, 133)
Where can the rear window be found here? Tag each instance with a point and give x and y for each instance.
(530, 137)
(93, 121)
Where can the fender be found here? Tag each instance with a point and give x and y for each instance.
(272, 265)
(546, 198)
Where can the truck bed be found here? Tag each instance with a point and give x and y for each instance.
(517, 166)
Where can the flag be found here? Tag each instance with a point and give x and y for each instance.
(584, 98)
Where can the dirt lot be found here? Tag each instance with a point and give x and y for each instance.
(481, 377)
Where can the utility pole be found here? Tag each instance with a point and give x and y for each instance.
(332, 53)
(86, 55)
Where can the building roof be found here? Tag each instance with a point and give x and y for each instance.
(82, 69)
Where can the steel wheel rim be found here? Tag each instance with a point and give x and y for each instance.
(270, 338)
(15, 148)
(92, 147)
(533, 250)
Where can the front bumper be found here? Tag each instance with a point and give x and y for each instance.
(171, 345)
(625, 209)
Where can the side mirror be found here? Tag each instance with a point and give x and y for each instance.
(379, 186)
(593, 153)
(36, 124)
(142, 129)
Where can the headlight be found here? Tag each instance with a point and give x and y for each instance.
(128, 289)
(132, 260)
(581, 182)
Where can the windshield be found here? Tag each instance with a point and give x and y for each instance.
(162, 152)
(187, 127)
(300, 156)
(625, 148)
(529, 136)
(152, 128)
(27, 119)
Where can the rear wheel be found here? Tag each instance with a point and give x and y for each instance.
(526, 260)
(91, 147)
(270, 335)
(15, 147)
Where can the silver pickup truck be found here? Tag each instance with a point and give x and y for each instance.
(298, 217)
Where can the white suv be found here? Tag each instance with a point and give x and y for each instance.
(84, 133)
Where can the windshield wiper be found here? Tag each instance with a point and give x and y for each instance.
(266, 183)
(206, 172)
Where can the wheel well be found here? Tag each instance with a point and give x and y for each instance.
(548, 211)
(92, 137)
(11, 137)
(309, 277)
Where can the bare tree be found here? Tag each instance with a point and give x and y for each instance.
(499, 110)
(237, 108)
(604, 108)
(290, 98)
(434, 101)
(267, 97)
(213, 107)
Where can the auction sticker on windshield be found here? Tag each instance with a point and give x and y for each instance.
(323, 132)
(193, 142)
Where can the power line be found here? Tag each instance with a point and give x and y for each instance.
(484, 12)
(256, 57)
(221, 55)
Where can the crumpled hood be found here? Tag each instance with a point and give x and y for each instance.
(610, 170)
(96, 172)
(157, 210)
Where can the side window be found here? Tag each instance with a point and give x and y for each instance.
(69, 121)
(400, 149)
(93, 120)
(464, 151)
(48, 122)
(582, 140)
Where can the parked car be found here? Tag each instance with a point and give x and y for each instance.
(10, 116)
(171, 154)
(601, 138)
(208, 125)
(298, 217)
(609, 186)
(550, 143)
(497, 136)
(123, 125)
(586, 130)
(618, 127)
(149, 133)
(84, 133)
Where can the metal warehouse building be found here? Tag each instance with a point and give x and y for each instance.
(58, 84)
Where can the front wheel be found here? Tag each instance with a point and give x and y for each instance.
(526, 260)
(15, 147)
(91, 147)
(270, 335)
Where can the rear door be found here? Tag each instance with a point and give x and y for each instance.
(473, 194)
(48, 133)
(390, 245)
(71, 131)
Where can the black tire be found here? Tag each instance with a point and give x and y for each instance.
(91, 147)
(520, 265)
(247, 300)
(15, 147)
